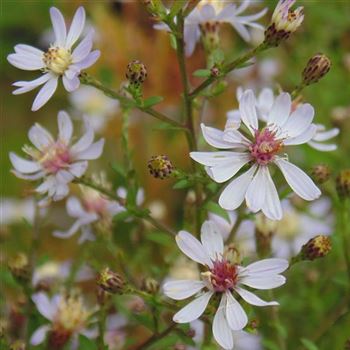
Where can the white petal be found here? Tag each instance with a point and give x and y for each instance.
(322, 147)
(299, 120)
(182, 289)
(93, 152)
(326, 135)
(265, 102)
(70, 84)
(45, 93)
(28, 49)
(304, 137)
(266, 266)
(221, 331)
(91, 58)
(272, 208)
(74, 207)
(241, 29)
(85, 141)
(233, 195)
(236, 317)
(253, 299)
(247, 109)
(212, 240)
(246, 341)
(39, 335)
(40, 137)
(300, 183)
(65, 126)
(256, 193)
(190, 246)
(33, 177)
(25, 86)
(23, 165)
(76, 27)
(44, 305)
(264, 281)
(84, 48)
(280, 109)
(215, 137)
(191, 36)
(214, 158)
(26, 61)
(193, 310)
(78, 168)
(58, 25)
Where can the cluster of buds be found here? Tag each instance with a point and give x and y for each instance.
(343, 184)
(150, 285)
(284, 22)
(316, 68)
(136, 73)
(20, 267)
(110, 281)
(321, 173)
(315, 248)
(160, 167)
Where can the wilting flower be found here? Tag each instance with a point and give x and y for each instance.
(59, 61)
(222, 277)
(59, 161)
(68, 316)
(208, 15)
(259, 151)
(94, 105)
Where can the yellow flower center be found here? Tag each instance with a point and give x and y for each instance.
(57, 59)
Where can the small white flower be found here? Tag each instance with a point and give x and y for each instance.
(95, 105)
(58, 161)
(209, 13)
(68, 316)
(221, 277)
(285, 19)
(59, 61)
(259, 151)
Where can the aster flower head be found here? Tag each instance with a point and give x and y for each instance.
(62, 59)
(223, 278)
(56, 161)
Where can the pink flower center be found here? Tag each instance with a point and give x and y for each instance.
(265, 146)
(96, 205)
(55, 158)
(223, 275)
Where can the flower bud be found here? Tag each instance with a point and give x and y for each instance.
(316, 68)
(343, 184)
(160, 167)
(321, 173)
(215, 72)
(110, 281)
(232, 254)
(316, 248)
(210, 35)
(284, 22)
(150, 285)
(19, 267)
(136, 72)
(102, 296)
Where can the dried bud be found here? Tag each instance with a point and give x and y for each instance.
(343, 184)
(316, 68)
(102, 296)
(232, 254)
(58, 338)
(110, 281)
(136, 72)
(18, 345)
(160, 167)
(150, 285)
(19, 266)
(215, 72)
(316, 247)
(321, 173)
(284, 22)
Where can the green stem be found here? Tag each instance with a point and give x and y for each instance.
(228, 68)
(295, 93)
(346, 234)
(101, 327)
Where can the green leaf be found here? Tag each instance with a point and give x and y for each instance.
(151, 101)
(216, 209)
(183, 183)
(202, 73)
(309, 345)
(160, 238)
(86, 343)
(176, 8)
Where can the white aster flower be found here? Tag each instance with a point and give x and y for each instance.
(222, 277)
(68, 318)
(58, 161)
(59, 61)
(95, 105)
(209, 14)
(259, 151)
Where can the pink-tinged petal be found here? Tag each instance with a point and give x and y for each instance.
(27, 49)
(39, 335)
(84, 48)
(214, 137)
(25, 86)
(280, 110)
(93, 152)
(190, 246)
(182, 289)
(272, 208)
(252, 299)
(300, 183)
(85, 141)
(26, 61)
(256, 193)
(23, 165)
(304, 137)
(40, 137)
(70, 84)
(65, 126)
(214, 158)
(88, 61)
(64, 176)
(221, 330)
(44, 305)
(48, 184)
(326, 135)
(74, 208)
(266, 267)
(59, 27)
(233, 195)
(322, 147)
(45, 93)
(247, 104)
(76, 27)
(264, 281)
(212, 240)
(61, 191)
(33, 177)
(236, 317)
(193, 310)
(299, 120)
(78, 168)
